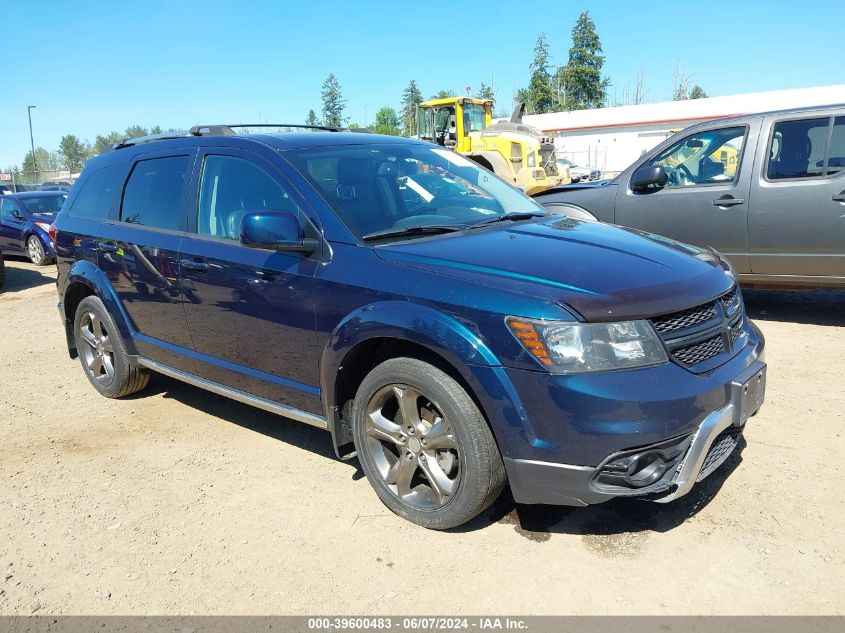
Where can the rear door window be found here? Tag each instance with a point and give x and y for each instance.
(99, 192)
(155, 192)
(799, 148)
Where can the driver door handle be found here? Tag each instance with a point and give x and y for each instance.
(840, 197)
(728, 201)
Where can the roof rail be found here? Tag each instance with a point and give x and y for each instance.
(228, 130)
(138, 140)
(215, 130)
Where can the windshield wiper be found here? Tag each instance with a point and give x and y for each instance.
(423, 229)
(513, 216)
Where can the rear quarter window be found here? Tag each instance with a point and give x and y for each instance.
(99, 192)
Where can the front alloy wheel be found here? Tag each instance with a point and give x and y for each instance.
(423, 444)
(413, 447)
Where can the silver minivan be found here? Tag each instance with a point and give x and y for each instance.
(766, 190)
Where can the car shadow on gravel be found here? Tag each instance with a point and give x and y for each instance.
(615, 517)
(814, 307)
(20, 278)
(274, 426)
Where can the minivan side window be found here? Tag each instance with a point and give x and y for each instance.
(154, 192)
(230, 188)
(798, 148)
(99, 192)
(705, 158)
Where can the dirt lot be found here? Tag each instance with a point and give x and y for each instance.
(180, 501)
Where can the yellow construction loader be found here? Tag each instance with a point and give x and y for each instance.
(514, 151)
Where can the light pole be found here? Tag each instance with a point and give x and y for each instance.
(31, 142)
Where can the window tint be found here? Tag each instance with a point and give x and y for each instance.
(836, 155)
(797, 149)
(154, 191)
(232, 187)
(705, 158)
(99, 191)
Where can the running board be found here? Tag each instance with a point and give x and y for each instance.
(236, 394)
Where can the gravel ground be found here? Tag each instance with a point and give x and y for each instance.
(180, 501)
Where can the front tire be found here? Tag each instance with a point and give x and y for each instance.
(102, 352)
(35, 251)
(424, 445)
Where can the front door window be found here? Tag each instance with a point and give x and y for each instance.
(704, 158)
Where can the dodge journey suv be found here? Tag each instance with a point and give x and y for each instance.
(437, 322)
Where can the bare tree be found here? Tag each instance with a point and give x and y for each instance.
(640, 91)
(680, 83)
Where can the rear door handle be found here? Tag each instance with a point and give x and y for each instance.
(728, 201)
(105, 247)
(195, 265)
(839, 197)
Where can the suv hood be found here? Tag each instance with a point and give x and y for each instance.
(602, 272)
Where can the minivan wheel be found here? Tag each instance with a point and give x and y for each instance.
(424, 445)
(35, 251)
(102, 353)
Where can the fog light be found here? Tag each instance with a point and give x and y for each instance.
(642, 469)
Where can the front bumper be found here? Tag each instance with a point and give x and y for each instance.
(658, 471)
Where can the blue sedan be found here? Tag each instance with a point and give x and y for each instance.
(25, 220)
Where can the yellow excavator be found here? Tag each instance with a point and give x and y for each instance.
(514, 151)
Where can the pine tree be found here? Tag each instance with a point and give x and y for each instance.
(311, 119)
(333, 102)
(697, 92)
(411, 99)
(540, 97)
(581, 79)
(486, 92)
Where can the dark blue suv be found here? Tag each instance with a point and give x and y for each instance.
(436, 321)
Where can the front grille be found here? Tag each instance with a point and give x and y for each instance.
(712, 330)
(699, 352)
(685, 319)
(737, 331)
(720, 450)
(730, 301)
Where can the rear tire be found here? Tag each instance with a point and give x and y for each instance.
(102, 353)
(424, 445)
(2, 271)
(35, 251)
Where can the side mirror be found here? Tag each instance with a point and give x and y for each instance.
(647, 176)
(17, 214)
(275, 230)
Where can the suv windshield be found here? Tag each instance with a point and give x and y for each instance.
(377, 188)
(44, 206)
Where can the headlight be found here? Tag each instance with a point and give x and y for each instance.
(569, 348)
(44, 226)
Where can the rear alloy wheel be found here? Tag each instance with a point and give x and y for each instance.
(102, 353)
(35, 251)
(424, 445)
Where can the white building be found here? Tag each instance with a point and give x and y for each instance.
(613, 138)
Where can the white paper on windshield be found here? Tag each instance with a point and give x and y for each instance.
(452, 157)
(422, 191)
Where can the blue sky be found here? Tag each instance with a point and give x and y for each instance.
(91, 67)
